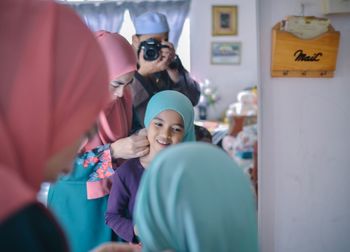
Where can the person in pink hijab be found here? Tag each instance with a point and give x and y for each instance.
(79, 200)
(115, 122)
(51, 70)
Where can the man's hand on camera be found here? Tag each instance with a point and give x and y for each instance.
(169, 53)
(150, 67)
(166, 56)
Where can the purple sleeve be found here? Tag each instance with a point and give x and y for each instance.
(117, 209)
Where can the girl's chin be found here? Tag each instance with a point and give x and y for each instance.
(162, 146)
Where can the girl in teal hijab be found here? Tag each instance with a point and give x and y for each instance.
(193, 197)
(169, 121)
(176, 101)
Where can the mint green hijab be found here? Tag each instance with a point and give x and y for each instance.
(172, 100)
(193, 197)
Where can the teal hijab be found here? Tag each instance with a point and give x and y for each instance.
(193, 197)
(172, 100)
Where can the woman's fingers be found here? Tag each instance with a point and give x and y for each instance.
(142, 152)
(139, 141)
(142, 132)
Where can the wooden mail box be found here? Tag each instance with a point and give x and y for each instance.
(295, 57)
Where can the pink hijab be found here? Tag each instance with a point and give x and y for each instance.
(51, 70)
(116, 120)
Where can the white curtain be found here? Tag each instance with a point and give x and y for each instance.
(110, 15)
(101, 16)
(175, 11)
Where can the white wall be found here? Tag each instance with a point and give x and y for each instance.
(304, 149)
(229, 79)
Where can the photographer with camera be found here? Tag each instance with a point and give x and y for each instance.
(159, 68)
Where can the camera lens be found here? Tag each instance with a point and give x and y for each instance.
(151, 48)
(151, 54)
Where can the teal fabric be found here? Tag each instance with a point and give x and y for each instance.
(194, 197)
(172, 100)
(81, 219)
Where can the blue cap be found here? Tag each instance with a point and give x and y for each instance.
(151, 23)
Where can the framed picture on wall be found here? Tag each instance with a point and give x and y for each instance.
(224, 20)
(336, 6)
(226, 53)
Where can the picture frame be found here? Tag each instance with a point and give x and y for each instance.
(224, 20)
(336, 6)
(226, 53)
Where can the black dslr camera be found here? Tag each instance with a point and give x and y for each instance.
(151, 49)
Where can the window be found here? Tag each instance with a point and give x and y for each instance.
(127, 30)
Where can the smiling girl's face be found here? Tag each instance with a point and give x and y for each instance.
(165, 129)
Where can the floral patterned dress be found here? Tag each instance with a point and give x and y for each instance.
(79, 199)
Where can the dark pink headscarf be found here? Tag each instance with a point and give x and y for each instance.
(53, 84)
(115, 120)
